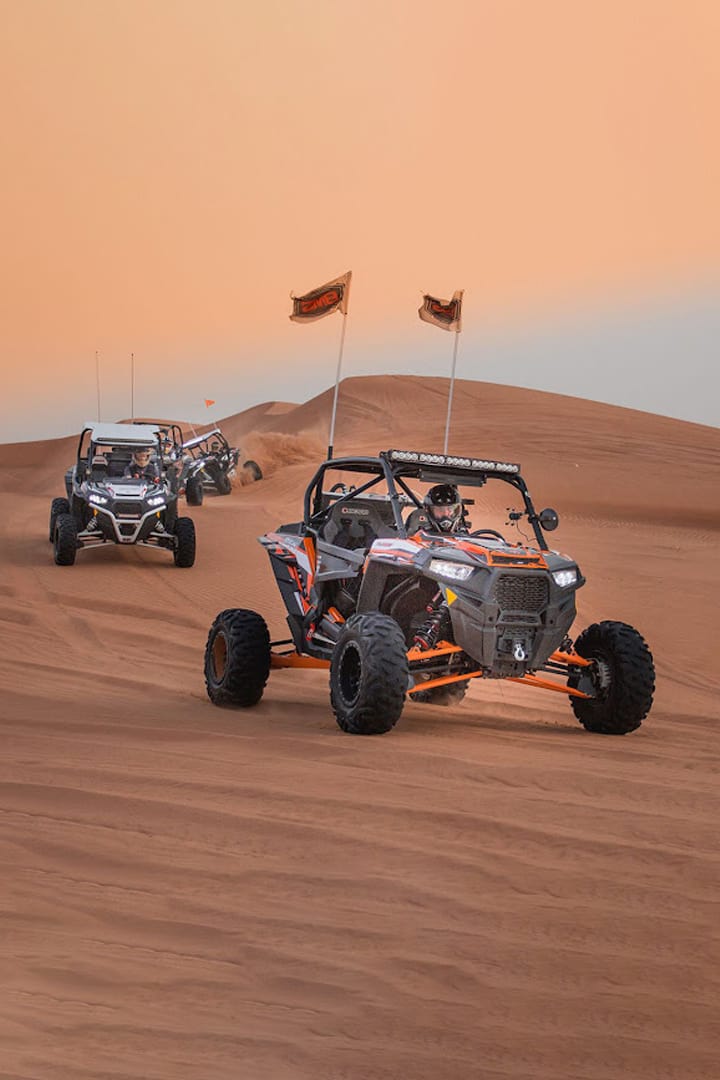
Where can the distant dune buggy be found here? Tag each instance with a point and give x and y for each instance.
(105, 506)
(394, 607)
(209, 462)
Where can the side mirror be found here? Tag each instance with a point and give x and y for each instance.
(548, 519)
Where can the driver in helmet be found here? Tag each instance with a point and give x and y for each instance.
(141, 467)
(444, 506)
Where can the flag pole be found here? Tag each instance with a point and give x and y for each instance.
(97, 381)
(132, 385)
(450, 395)
(337, 387)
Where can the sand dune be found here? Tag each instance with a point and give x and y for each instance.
(486, 892)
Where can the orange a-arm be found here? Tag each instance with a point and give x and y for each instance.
(444, 648)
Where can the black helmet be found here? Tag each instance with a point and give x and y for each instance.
(444, 505)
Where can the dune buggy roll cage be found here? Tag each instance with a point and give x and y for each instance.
(397, 466)
(118, 435)
(198, 440)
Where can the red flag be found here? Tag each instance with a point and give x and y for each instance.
(447, 314)
(333, 296)
(208, 402)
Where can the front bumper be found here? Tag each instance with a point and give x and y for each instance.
(126, 529)
(510, 622)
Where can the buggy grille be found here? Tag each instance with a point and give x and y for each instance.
(128, 509)
(521, 592)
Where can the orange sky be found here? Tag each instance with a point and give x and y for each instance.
(174, 169)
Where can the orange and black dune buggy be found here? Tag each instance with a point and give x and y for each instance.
(393, 606)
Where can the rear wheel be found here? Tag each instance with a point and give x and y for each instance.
(57, 507)
(184, 550)
(254, 469)
(621, 679)
(369, 674)
(194, 491)
(451, 694)
(237, 658)
(223, 483)
(65, 540)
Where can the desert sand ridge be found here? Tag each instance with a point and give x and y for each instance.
(487, 892)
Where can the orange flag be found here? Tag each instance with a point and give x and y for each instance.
(208, 402)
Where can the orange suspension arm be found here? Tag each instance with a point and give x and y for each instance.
(545, 684)
(445, 681)
(285, 660)
(570, 658)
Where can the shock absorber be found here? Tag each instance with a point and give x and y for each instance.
(435, 626)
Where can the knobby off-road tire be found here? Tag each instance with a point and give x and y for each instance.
(622, 678)
(237, 658)
(57, 507)
(184, 550)
(65, 540)
(223, 483)
(369, 674)
(452, 694)
(194, 491)
(254, 469)
(170, 516)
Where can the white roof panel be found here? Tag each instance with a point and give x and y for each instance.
(125, 434)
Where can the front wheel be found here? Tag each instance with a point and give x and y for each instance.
(621, 679)
(65, 540)
(369, 674)
(57, 507)
(237, 658)
(194, 491)
(184, 550)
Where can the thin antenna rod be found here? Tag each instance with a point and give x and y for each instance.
(132, 385)
(452, 387)
(97, 381)
(337, 387)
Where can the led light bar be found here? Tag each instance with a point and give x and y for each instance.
(413, 457)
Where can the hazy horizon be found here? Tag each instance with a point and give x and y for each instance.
(553, 357)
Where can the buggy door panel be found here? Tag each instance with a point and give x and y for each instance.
(336, 563)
